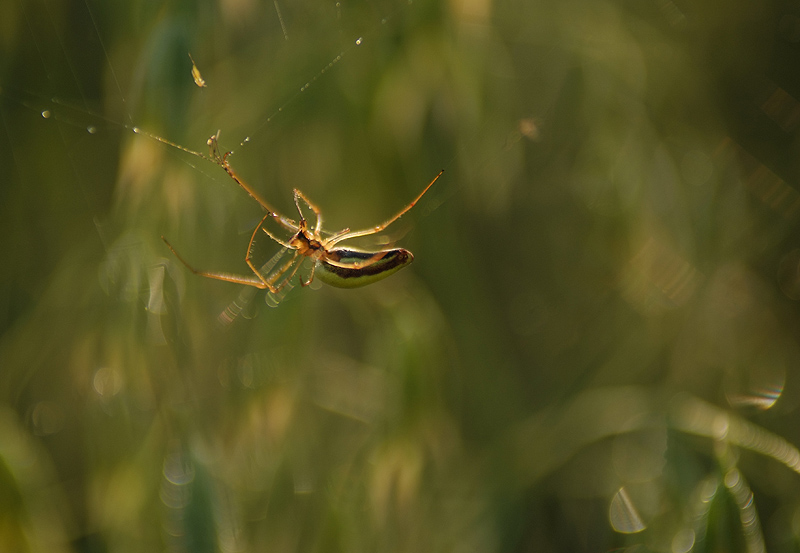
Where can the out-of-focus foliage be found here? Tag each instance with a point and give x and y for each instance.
(595, 348)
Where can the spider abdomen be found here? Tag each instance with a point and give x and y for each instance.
(346, 268)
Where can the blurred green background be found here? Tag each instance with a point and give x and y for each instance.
(594, 349)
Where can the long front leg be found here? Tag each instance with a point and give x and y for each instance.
(222, 160)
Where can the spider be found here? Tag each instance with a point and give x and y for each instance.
(335, 266)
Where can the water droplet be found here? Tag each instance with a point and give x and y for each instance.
(760, 385)
(178, 470)
(623, 515)
(91, 129)
(46, 114)
(136, 130)
(684, 541)
(358, 41)
(47, 418)
(246, 139)
(107, 382)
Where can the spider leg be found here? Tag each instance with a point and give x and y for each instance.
(310, 276)
(276, 276)
(261, 226)
(227, 277)
(291, 275)
(366, 232)
(276, 239)
(222, 160)
(332, 239)
(267, 281)
(312, 206)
